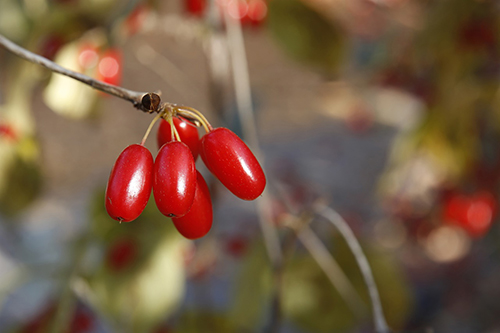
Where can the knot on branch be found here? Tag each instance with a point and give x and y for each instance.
(150, 102)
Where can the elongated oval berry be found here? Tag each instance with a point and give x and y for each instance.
(174, 182)
(198, 221)
(130, 182)
(233, 163)
(187, 133)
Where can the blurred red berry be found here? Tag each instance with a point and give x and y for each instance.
(88, 56)
(476, 35)
(121, 254)
(110, 67)
(136, 18)
(236, 246)
(51, 45)
(195, 7)
(7, 132)
(257, 11)
(473, 213)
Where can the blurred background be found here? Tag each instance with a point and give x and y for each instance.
(386, 111)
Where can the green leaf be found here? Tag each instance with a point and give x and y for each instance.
(252, 291)
(139, 296)
(20, 175)
(204, 321)
(306, 35)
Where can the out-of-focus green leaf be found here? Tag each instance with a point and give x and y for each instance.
(149, 287)
(200, 321)
(306, 35)
(312, 303)
(309, 300)
(252, 293)
(20, 175)
(13, 23)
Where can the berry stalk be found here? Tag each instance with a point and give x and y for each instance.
(155, 119)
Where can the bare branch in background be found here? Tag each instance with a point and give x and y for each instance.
(134, 97)
(332, 270)
(241, 81)
(324, 259)
(334, 218)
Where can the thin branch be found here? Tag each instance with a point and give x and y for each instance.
(332, 270)
(245, 109)
(67, 300)
(164, 68)
(333, 217)
(241, 80)
(134, 97)
(324, 259)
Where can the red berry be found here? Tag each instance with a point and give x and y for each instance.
(110, 67)
(257, 11)
(174, 179)
(136, 19)
(474, 213)
(477, 34)
(233, 163)
(130, 182)
(237, 246)
(237, 9)
(480, 213)
(195, 7)
(40, 321)
(82, 322)
(51, 45)
(8, 132)
(88, 57)
(198, 221)
(188, 134)
(121, 254)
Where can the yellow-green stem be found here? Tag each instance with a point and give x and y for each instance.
(155, 119)
(188, 108)
(173, 131)
(198, 116)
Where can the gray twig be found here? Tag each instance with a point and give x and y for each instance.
(134, 97)
(333, 217)
(241, 80)
(332, 270)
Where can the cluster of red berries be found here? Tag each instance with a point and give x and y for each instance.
(179, 190)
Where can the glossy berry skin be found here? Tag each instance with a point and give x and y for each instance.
(130, 182)
(198, 221)
(187, 133)
(174, 182)
(233, 163)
